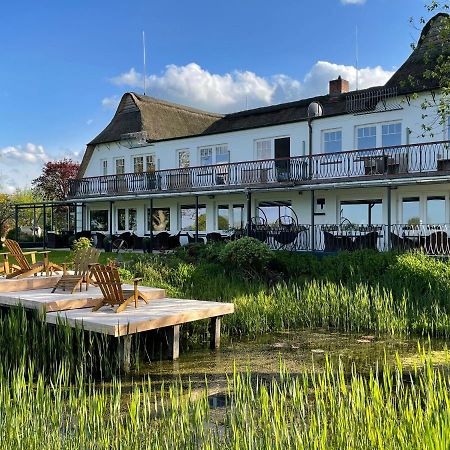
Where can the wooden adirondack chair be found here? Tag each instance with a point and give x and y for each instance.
(25, 268)
(83, 259)
(108, 280)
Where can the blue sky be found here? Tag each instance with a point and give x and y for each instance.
(64, 65)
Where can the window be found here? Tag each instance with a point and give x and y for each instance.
(222, 154)
(138, 162)
(361, 212)
(183, 159)
(223, 217)
(120, 166)
(366, 137)
(104, 167)
(391, 134)
(188, 217)
(150, 163)
(143, 164)
(206, 158)
(436, 210)
(126, 219)
(332, 141)
(121, 219)
(274, 213)
(264, 149)
(99, 220)
(160, 221)
(411, 211)
(218, 154)
(238, 216)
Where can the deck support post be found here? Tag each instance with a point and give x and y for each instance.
(215, 332)
(249, 212)
(151, 225)
(196, 218)
(173, 341)
(313, 244)
(389, 216)
(125, 353)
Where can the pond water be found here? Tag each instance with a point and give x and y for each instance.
(297, 350)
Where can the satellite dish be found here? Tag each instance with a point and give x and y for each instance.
(315, 109)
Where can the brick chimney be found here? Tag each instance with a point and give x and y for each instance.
(339, 86)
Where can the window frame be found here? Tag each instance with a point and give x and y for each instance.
(213, 149)
(127, 220)
(179, 153)
(116, 160)
(330, 131)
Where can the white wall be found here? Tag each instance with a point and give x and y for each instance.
(242, 143)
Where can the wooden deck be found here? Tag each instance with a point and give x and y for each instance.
(156, 314)
(28, 284)
(45, 300)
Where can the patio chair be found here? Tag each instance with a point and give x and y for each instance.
(25, 269)
(83, 259)
(366, 241)
(108, 280)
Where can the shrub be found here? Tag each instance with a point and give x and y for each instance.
(247, 255)
(80, 243)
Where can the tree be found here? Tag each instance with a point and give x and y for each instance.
(53, 183)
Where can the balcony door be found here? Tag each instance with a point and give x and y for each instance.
(282, 147)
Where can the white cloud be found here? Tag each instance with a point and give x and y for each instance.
(110, 102)
(353, 2)
(19, 165)
(195, 86)
(89, 121)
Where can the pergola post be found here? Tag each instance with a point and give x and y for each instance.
(151, 225)
(249, 212)
(75, 218)
(16, 218)
(44, 219)
(389, 216)
(34, 222)
(196, 218)
(111, 220)
(313, 234)
(83, 216)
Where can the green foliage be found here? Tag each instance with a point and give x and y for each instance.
(246, 255)
(80, 243)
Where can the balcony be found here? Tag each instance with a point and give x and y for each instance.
(417, 160)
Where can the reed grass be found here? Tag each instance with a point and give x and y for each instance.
(329, 409)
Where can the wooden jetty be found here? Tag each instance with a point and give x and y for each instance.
(75, 310)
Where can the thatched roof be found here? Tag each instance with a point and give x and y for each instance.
(159, 119)
(162, 120)
(433, 43)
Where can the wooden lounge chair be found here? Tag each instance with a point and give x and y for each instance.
(25, 268)
(108, 280)
(83, 259)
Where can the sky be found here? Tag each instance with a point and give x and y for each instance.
(65, 64)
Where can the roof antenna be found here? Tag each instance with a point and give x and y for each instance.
(357, 59)
(145, 70)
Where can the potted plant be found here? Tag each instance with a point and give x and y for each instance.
(146, 244)
(107, 243)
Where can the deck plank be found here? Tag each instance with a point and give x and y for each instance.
(157, 314)
(28, 284)
(45, 300)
